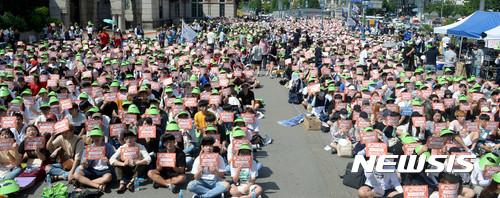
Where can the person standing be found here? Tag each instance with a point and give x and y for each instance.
(430, 58)
(90, 30)
(211, 39)
(477, 60)
(139, 33)
(409, 56)
(104, 38)
(445, 41)
(450, 58)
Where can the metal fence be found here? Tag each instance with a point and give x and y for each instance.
(310, 12)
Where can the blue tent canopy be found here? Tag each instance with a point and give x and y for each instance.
(474, 25)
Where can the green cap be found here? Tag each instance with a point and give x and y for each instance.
(368, 129)
(172, 126)
(96, 132)
(210, 128)
(178, 100)
(153, 110)
(133, 109)
(416, 103)
(427, 153)
(445, 131)
(462, 98)
(43, 90)
(488, 159)
(8, 187)
(237, 132)
(44, 105)
(84, 95)
(126, 102)
(94, 109)
(496, 177)
(169, 89)
(239, 119)
(26, 92)
(244, 146)
(53, 100)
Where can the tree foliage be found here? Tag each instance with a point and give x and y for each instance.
(25, 14)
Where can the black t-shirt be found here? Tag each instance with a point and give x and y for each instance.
(180, 161)
(246, 99)
(387, 130)
(431, 56)
(20, 89)
(112, 106)
(32, 154)
(142, 106)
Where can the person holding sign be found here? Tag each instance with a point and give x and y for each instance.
(77, 118)
(381, 184)
(166, 174)
(45, 109)
(130, 160)
(70, 155)
(487, 138)
(151, 144)
(37, 158)
(466, 139)
(208, 179)
(247, 97)
(493, 189)
(341, 129)
(95, 169)
(244, 175)
(9, 158)
(199, 117)
(477, 179)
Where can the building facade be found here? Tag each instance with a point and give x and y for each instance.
(149, 13)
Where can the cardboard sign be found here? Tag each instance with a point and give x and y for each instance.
(236, 143)
(459, 154)
(363, 123)
(340, 106)
(416, 191)
(147, 131)
(95, 152)
(376, 149)
(367, 137)
(185, 123)
(472, 126)
(177, 135)
(439, 126)
(392, 107)
(209, 159)
(54, 109)
(465, 106)
(489, 171)
(32, 143)
(129, 118)
(116, 129)
(110, 97)
(15, 107)
(477, 96)
(392, 120)
(449, 101)
(166, 159)
(406, 96)
(314, 88)
(66, 104)
(436, 142)
(418, 121)
(6, 144)
(409, 148)
(127, 153)
(29, 100)
(156, 118)
(215, 100)
(227, 117)
(491, 126)
(419, 109)
(90, 124)
(243, 161)
(344, 124)
(132, 89)
(438, 106)
(406, 111)
(45, 127)
(9, 122)
(190, 102)
(248, 117)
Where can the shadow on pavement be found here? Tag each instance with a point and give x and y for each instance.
(265, 172)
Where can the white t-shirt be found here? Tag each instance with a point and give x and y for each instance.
(362, 57)
(206, 174)
(445, 41)
(246, 173)
(211, 38)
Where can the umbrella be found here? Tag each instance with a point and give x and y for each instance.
(389, 44)
(109, 21)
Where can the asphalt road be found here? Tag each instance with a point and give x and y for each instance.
(295, 164)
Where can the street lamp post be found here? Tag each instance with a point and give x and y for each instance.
(365, 5)
(307, 9)
(322, 8)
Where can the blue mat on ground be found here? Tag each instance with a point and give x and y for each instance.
(292, 122)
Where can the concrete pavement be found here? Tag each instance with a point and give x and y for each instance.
(295, 164)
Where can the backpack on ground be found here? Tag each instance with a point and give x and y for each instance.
(356, 179)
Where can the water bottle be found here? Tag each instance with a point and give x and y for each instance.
(136, 184)
(28, 170)
(49, 181)
(180, 194)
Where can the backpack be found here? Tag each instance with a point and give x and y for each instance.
(356, 179)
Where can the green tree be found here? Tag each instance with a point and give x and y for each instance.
(314, 4)
(274, 5)
(256, 4)
(286, 4)
(267, 7)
